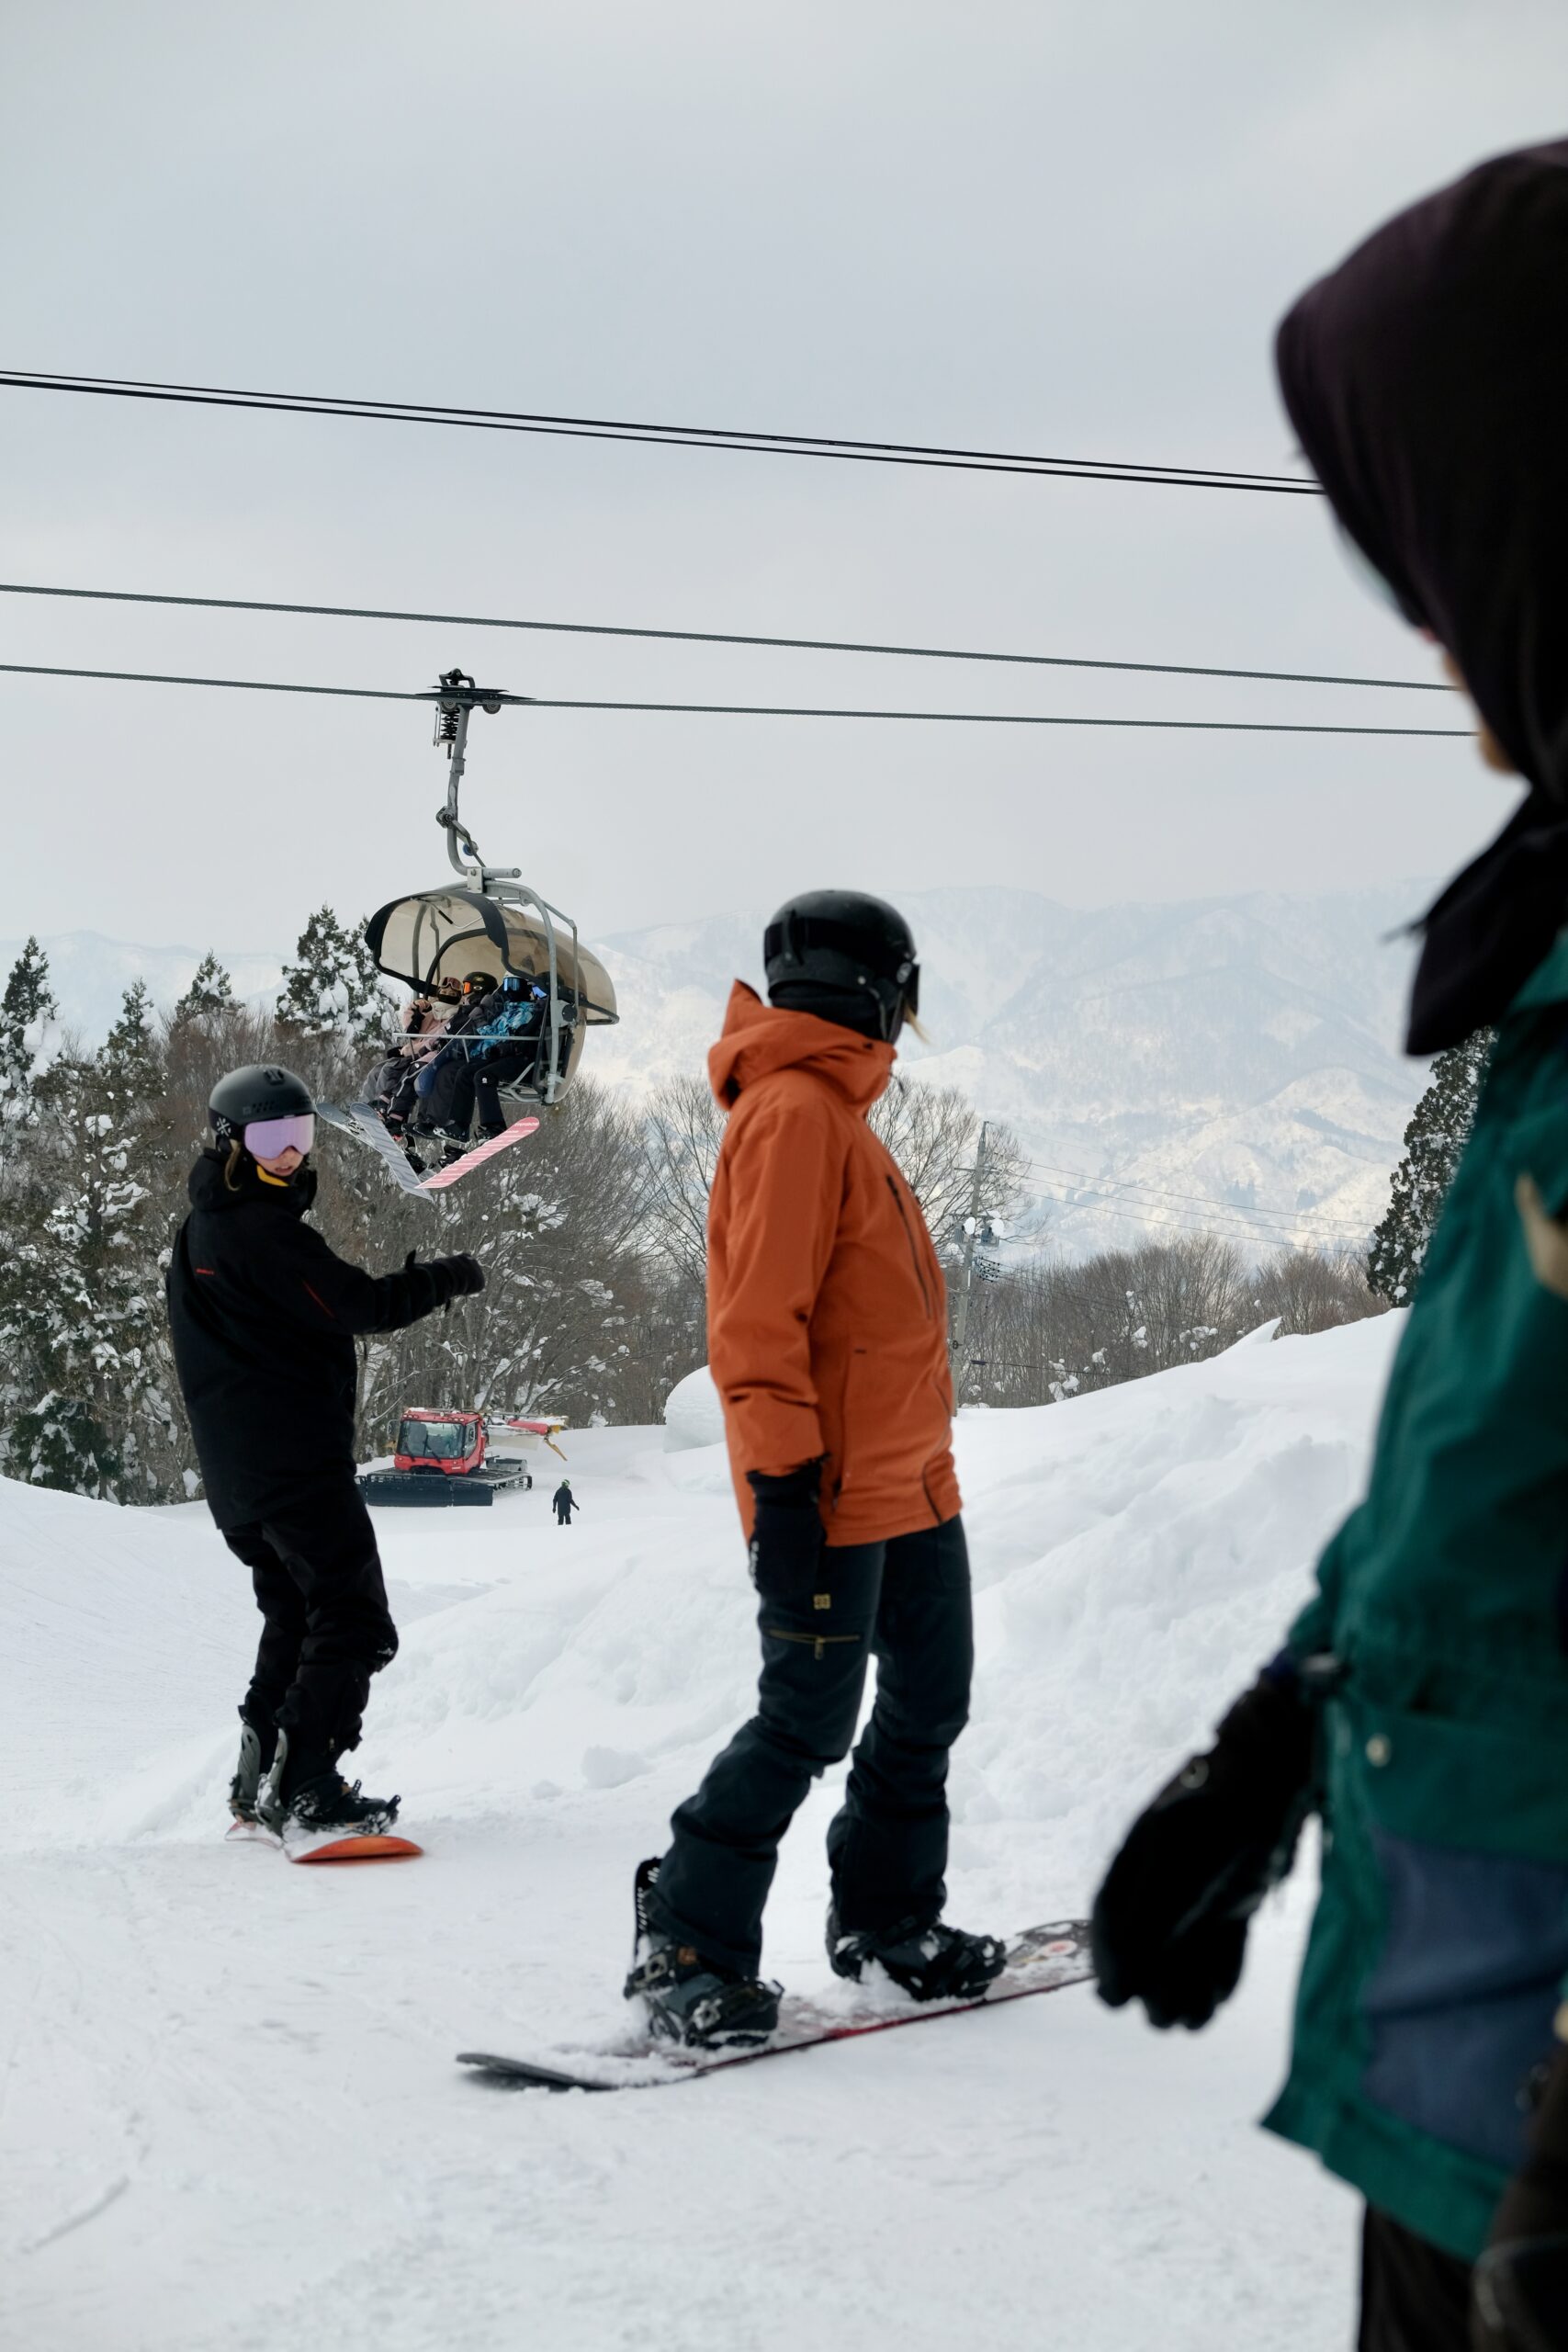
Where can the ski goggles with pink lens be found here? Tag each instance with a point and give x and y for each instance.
(270, 1139)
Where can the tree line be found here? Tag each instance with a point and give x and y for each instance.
(593, 1235)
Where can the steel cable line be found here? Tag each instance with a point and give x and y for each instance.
(1150, 1215)
(732, 709)
(722, 637)
(1214, 1232)
(1125, 1216)
(1124, 1186)
(792, 445)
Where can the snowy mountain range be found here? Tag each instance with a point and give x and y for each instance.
(1229, 1064)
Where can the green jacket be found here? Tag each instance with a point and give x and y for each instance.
(1440, 1941)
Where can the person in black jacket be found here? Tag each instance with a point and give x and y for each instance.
(263, 1316)
(565, 1502)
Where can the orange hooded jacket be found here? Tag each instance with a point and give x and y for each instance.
(827, 1308)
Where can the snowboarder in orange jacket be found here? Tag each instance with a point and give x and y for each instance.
(827, 1341)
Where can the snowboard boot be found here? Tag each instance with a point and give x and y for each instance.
(305, 1798)
(930, 1962)
(690, 1999)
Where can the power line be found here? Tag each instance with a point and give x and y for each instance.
(723, 637)
(736, 709)
(1215, 1232)
(1125, 1185)
(1148, 1215)
(1177, 1224)
(686, 437)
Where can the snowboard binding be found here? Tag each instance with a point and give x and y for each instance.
(692, 2000)
(246, 1782)
(304, 1806)
(930, 1962)
(244, 1788)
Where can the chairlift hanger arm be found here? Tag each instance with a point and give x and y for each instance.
(456, 698)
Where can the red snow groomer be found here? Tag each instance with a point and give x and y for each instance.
(444, 1457)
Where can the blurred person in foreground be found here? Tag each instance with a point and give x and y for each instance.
(1420, 1704)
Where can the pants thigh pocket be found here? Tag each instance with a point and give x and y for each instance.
(1460, 2006)
(1465, 1824)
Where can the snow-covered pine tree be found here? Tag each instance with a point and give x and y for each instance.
(81, 1303)
(1438, 1128)
(333, 988)
(130, 1065)
(25, 1009)
(212, 992)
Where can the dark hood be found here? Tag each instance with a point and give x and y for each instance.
(208, 1188)
(1427, 380)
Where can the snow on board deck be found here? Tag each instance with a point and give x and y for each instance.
(1041, 1960)
(360, 1120)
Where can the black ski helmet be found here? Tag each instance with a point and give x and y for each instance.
(850, 946)
(257, 1092)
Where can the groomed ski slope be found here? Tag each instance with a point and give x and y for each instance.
(231, 2117)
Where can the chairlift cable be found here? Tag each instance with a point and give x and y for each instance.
(739, 709)
(725, 637)
(757, 442)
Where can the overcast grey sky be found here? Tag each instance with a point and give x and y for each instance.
(1060, 228)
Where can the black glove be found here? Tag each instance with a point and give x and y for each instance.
(1519, 2299)
(445, 1279)
(459, 1277)
(786, 1534)
(1170, 1925)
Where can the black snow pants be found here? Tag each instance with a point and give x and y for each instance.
(503, 1069)
(326, 1630)
(908, 1603)
(1415, 2298)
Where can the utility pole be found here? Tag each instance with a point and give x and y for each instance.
(971, 1228)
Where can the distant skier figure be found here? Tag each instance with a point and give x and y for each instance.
(565, 1503)
(263, 1317)
(827, 1341)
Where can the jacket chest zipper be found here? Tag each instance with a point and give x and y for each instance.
(816, 1642)
(914, 1250)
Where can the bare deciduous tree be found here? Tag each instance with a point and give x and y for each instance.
(1309, 1291)
(931, 1131)
(1051, 1330)
(683, 1138)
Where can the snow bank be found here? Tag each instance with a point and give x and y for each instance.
(1136, 1554)
(692, 1413)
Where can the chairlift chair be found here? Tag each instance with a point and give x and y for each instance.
(492, 921)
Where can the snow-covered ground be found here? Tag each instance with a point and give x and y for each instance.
(229, 2114)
